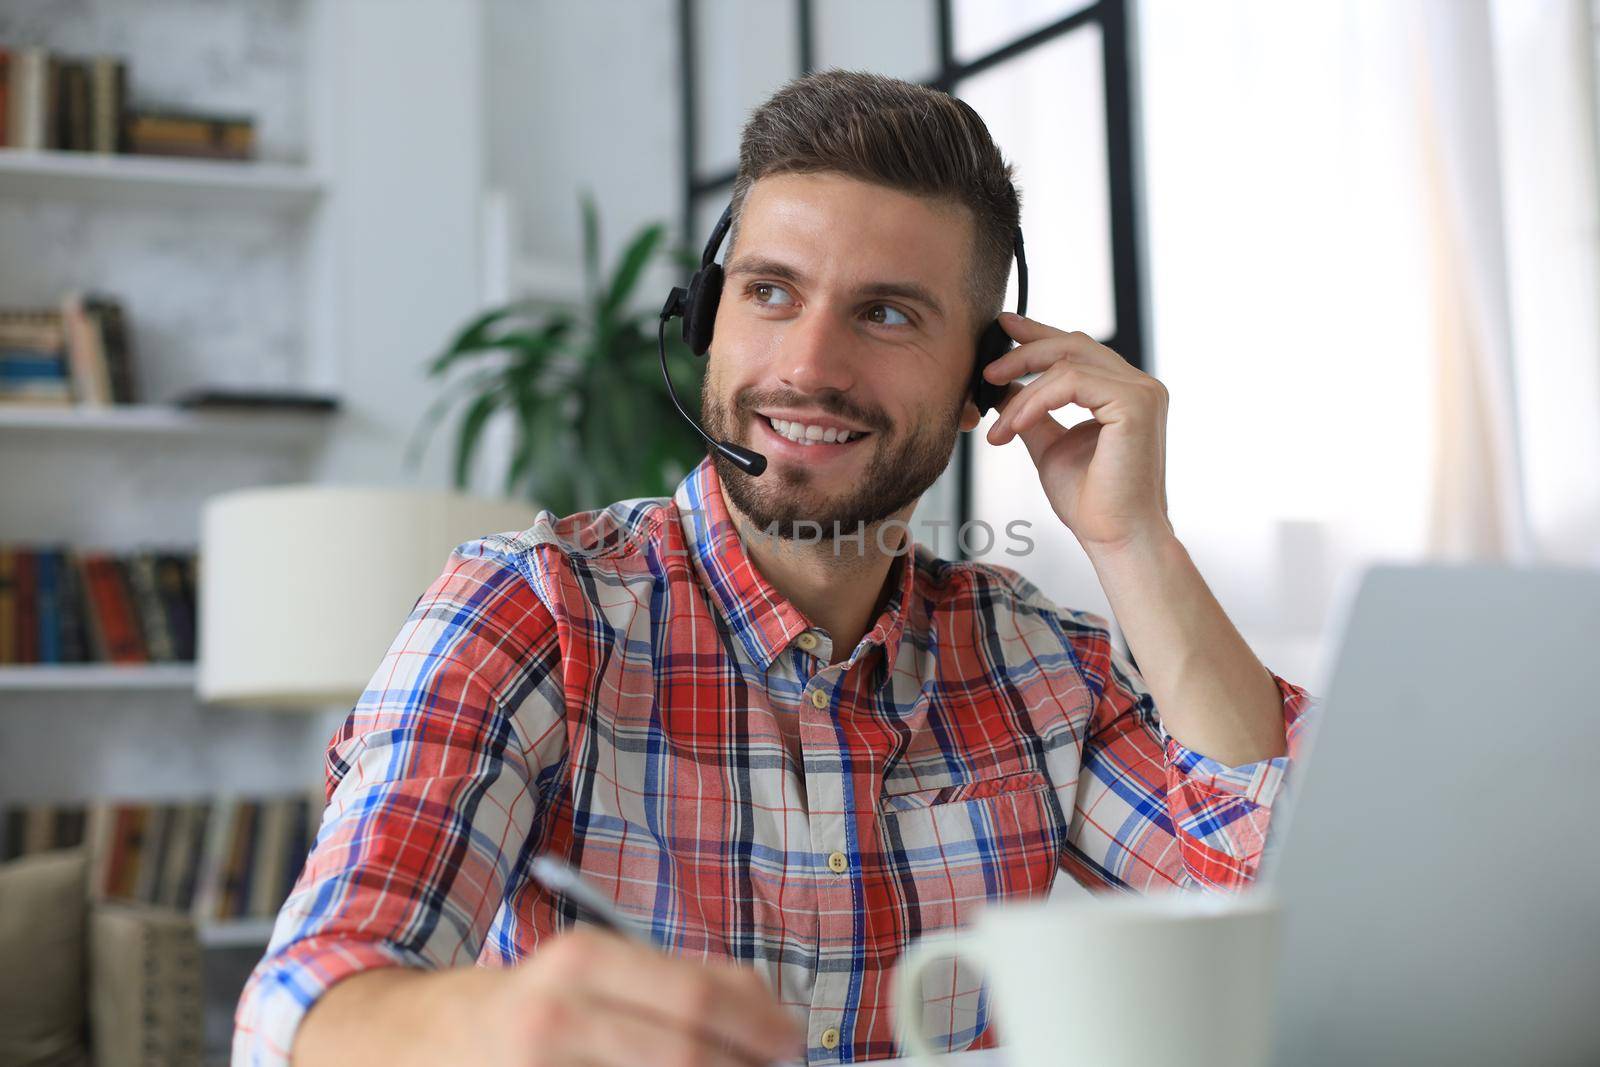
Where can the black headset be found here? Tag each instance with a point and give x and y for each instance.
(697, 305)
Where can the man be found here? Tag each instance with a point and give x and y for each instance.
(785, 756)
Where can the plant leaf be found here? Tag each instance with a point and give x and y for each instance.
(633, 261)
(471, 429)
(423, 431)
(473, 337)
(591, 248)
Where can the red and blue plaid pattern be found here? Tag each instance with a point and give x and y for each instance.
(614, 687)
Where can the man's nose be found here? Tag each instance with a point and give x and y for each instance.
(818, 353)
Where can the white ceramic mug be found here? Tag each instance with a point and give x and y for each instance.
(1125, 981)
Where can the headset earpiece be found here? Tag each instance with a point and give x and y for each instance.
(993, 344)
(700, 307)
(698, 303)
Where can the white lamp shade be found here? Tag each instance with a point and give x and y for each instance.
(302, 589)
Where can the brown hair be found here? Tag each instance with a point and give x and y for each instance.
(896, 134)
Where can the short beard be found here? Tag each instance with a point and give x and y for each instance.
(776, 502)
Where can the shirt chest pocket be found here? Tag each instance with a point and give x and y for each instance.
(898, 796)
(957, 845)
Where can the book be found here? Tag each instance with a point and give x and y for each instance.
(157, 839)
(72, 113)
(29, 376)
(13, 832)
(39, 829)
(302, 827)
(33, 369)
(114, 627)
(194, 855)
(116, 347)
(127, 836)
(97, 838)
(26, 619)
(271, 854)
(153, 622)
(206, 902)
(8, 605)
(241, 860)
(134, 648)
(177, 601)
(223, 397)
(47, 598)
(30, 99)
(5, 91)
(36, 329)
(180, 842)
(108, 93)
(74, 641)
(86, 354)
(194, 134)
(70, 823)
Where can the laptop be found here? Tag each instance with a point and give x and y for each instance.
(1438, 860)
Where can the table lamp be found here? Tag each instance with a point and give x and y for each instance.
(302, 589)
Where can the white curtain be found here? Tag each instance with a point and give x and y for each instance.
(1373, 271)
(1550, 152)
(1476, 497)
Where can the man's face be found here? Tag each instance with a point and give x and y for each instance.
(844, 309)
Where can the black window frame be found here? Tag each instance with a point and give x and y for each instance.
(1128, 337)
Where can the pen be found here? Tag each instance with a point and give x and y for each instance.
(559, 878)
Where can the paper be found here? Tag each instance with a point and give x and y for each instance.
(988, 1057)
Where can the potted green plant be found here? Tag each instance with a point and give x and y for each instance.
(591, 417)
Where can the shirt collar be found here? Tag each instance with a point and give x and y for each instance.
(761, 618)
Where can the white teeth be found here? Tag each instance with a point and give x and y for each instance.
(810, 435)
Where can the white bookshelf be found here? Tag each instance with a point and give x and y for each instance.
(89, 677)
(157, 180)
(161, 421)
(126, 476)
(337, 265)
(235, 933)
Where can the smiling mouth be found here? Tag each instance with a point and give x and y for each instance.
(802, 434)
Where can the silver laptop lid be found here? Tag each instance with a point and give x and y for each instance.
(1440, 859)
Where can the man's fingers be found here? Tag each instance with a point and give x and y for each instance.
(727, 1002)
(1023, 329)
(1088, 388)
(1045, 352)
(1042, 436)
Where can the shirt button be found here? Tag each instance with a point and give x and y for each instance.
(807, 641)
(830, 1036)
(838, 863)
(819, 699)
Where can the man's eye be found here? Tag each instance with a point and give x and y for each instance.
(761, 288)
(887, 311)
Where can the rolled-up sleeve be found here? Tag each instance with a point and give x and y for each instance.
(433, 783)
(1222, 812)
(1149, 812)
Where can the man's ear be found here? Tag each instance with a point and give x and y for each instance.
(970, 417)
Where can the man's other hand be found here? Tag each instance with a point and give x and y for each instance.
(593, 998)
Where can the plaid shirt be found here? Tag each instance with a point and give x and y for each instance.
(615, 688)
